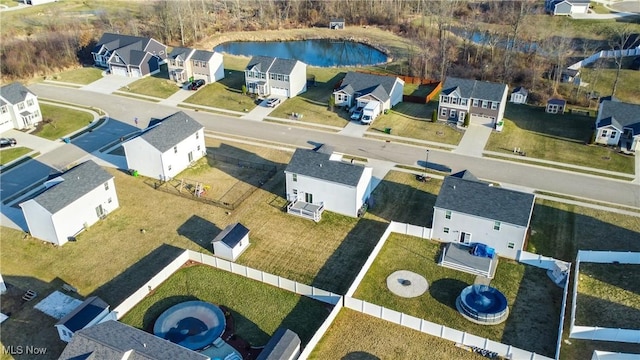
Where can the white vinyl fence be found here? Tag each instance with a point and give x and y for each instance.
(605, 54)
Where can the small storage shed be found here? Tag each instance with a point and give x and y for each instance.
(90, 312)
(556, 106)
(231, 242)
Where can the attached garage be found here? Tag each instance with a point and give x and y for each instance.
(276, 91)
(119, 70)
(135, 72)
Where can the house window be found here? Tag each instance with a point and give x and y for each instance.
(463, 102)
(452, 113)
(280, 77)
(286, 78)
(175, 149)
(117, 58)
(447, 214)
(295, 177)
(3, 110)
(109, 201)
(169, 168)
(613, 134)
(443, 112)
(511, 245)
(496, 225)
(455, 101)
(198, 147)
(36, 113)
(494, 106)
(475, 102)
(263, 76)
(21, 106)
(204, 64)
(485, 104)
(30, 102)
(295, 192)
(445, 99)
(106, 186)
(604, 133)
(180, 63)
(272, 76)
(446, 230)
(240, 244)
(198, 135)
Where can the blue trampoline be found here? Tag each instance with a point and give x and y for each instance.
(483, 304)
(192, 324)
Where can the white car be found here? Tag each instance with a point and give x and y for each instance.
(272, 102)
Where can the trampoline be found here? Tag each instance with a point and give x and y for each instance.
(482, 304)
(192, 324)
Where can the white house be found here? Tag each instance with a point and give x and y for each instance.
(468, 210)
(165, 149)
(316, 180)
(19, 108)
(71, 203)
(266, 75)
(357, 89)
(231, 242)
(519, 95)
(283, 345)
(618, 124)
(483, 101)
(92, 311)
(566, 7)
(186, 64)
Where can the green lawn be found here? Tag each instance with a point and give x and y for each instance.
(158, 85)
(85, 75)
(224, 94)
(418, 90)
(9, 3)
(534, 301)
(601, 80)
(8, 155)
(258, 309)
(60, 121)
(559, 138)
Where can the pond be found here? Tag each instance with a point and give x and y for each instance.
(322, 52)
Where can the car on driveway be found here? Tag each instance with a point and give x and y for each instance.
(6, 142)
(196, 84)
(272, 102)
(357, 114)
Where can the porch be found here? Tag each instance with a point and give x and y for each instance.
(306, 210)
(260, 88)
(458, 257)
(28, 118)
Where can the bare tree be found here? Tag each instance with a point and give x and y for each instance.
(621, 38)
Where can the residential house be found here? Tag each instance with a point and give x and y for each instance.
(266, 75)
(127, 55)
(19, 108)
(468, 211)
(92, 311)
(570, 76)
(519, 95)
(336, 24)
(231, 242)
(164, 149)
(70, 203)
(357, 89)
(283, 345)
(38, 2)
(115, 340)
(319, 180)
(566, 7)
(186, 64)
(484, 101)
(618, 124)
(556, 106)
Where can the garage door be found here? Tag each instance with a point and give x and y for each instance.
(135, 72)
(279, 92)
(119, 70)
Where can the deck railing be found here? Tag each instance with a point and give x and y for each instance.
(313, 215)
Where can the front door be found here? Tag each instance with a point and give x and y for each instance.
(308, 198)
(461, 116)
(190, 156)
(465, 237)
(100, 211)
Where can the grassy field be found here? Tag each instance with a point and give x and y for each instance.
(534, 301)
(356, 336)
(224, 94)
(158, 85)
(559, 138)
(601, 80)
(60, 121)
(258, 309)
(85, 75)
(8, 155)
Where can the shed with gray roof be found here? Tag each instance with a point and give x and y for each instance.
(231, 242)
(283, 345)
(92, 311)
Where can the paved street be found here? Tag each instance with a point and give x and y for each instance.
(547, 179)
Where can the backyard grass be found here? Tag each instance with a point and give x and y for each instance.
(60, 121)
(8, 155)
(84, 76)
(224, 94)
(560, 138)
(601, 80)
(534, 301)
(258, 309)
(418, 90)
(357, 336)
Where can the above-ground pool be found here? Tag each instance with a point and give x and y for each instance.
(483, 304)
(192, 324)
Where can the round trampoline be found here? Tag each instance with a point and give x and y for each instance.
(482, 304)
(192, 324)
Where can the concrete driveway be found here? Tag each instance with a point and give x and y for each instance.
(355, 129)
(261, 111)
(109, 83)
(33, 142)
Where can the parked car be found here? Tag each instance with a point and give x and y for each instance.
(272, 102)
(196, 84)
(5, 142)
(357, 114)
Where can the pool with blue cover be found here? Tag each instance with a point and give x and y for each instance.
(192, 324)
(483, 304)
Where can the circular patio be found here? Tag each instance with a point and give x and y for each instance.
(407, 284)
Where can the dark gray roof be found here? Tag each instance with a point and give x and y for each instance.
(317, 165)
(171, 130)
(620, 115)
(465, 174)
(477, 198)
(268, 64)
(202, 55)
(379, 86)
(14, 92)
(556, 101)
(131, 49)
(110, 340)
(83, 314)
(337, 20)
(520, 90)
(232, 234)
(283, 345)
(180, 51)
(474, 89)
(78, 181)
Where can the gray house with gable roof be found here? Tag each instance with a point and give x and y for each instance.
(319, 180)
(618, 124)
(484, 101)
(231, 242)
(468, 210)
(127, 55)
(70, 203)
(357, 89)
(164, 149)
(19, 107)
(187, 64)
(266, 75)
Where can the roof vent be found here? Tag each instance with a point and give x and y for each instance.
(320, 165)
(454, 187)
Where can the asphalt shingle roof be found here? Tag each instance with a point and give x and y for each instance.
(477, 198)
(621, 115)
(520, 90)
(83, 314)
(317, 165)
(111, 340)
(128, 47)
(202, 55)
(232, 234)
(556, 101)
(171, 130)
(180, 51)
(282, 345)
(14, 92)
(474, 89)
(268, 64)
(379, 86)
(78, 181)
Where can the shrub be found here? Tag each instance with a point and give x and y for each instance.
(332, 102)
(434, 116)
(466, 120)
(244, 89)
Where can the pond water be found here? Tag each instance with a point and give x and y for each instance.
(323, 52)
(486, 38)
